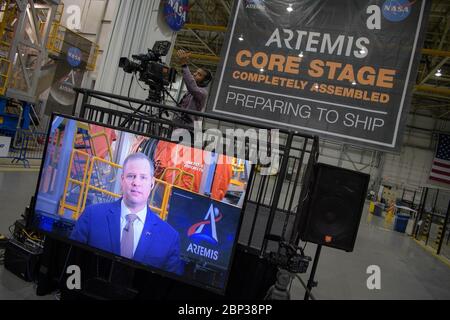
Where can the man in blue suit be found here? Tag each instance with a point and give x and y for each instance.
(128, 227)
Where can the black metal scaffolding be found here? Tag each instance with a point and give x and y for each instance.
(432, 221)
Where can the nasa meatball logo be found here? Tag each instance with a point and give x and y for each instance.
(74, 57)
(175, 12)
(397, 10)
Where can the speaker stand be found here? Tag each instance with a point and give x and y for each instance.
(311, 282)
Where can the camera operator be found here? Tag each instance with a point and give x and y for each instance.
(196, 84)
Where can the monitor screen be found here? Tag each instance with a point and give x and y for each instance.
(158, 204)
(207, 234)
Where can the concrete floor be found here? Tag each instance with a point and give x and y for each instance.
(407, 270)
(14, 288)
(16, 190)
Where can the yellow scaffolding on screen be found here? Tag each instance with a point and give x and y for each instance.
(85, 185)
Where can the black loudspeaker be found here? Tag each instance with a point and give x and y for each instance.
(334, 206)
(21, 261)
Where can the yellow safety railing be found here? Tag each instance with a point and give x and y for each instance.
(56, 20)
(162, 211)
(4, 74)
(371, 207)
(237, 168)
(439, 232)
(92, 61)
(390, 216)
(426, 226)
(56, 38)
(86, 186)
(237, 182)
(7, 13)
(179, 177)
(104, 135)
(92, 137)
(63, 206)
(59, 13)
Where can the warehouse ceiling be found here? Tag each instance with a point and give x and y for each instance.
(432, 93)
(204, 33)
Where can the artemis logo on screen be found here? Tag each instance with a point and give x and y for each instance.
(199, 233)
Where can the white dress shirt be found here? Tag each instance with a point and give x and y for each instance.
(138, 224)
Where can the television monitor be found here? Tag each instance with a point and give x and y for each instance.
(186, 227)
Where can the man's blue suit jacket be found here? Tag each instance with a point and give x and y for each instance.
(159, 245)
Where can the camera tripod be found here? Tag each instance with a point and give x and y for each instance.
(291, 261)
(156, 94)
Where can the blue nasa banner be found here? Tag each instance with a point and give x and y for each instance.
(175, 12)
(70, 70)
(207, 228)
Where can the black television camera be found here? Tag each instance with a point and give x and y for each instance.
(290, 258)
(152, 71)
